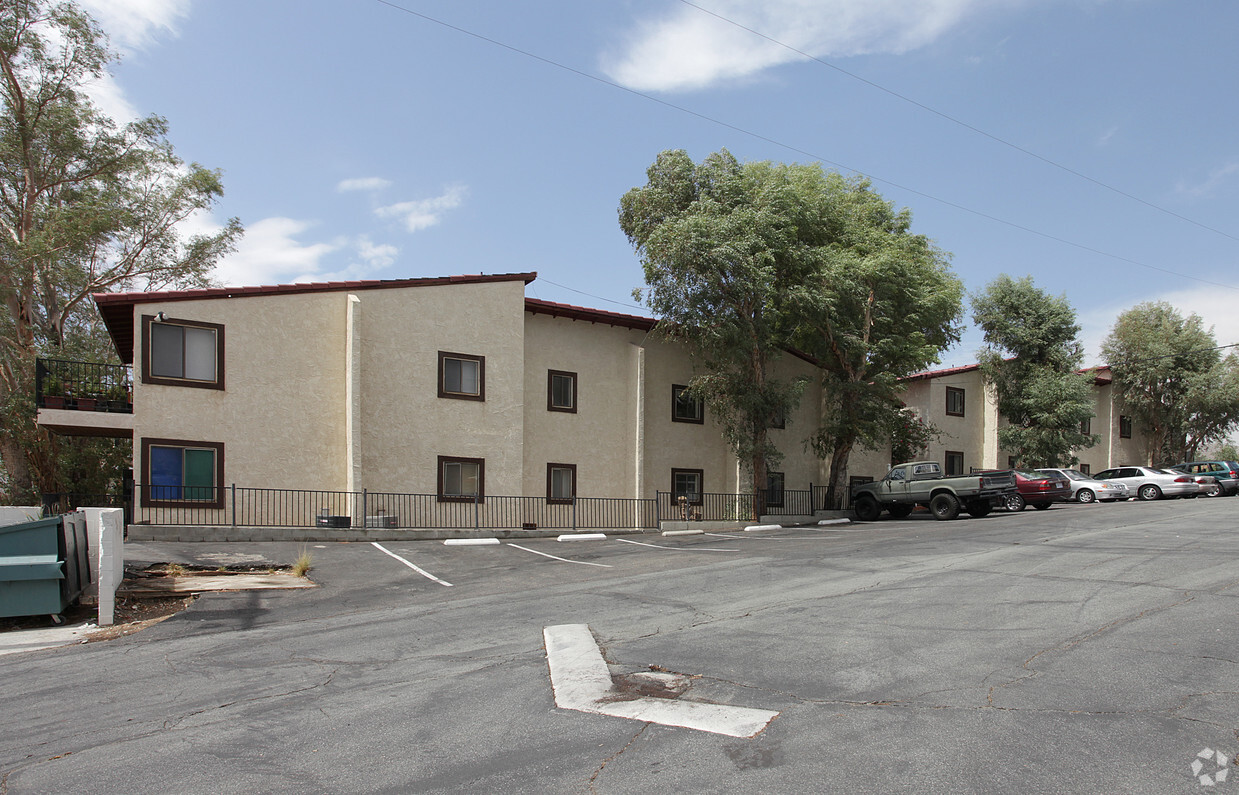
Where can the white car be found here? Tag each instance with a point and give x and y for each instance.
(1148, 483)
(1086, 488)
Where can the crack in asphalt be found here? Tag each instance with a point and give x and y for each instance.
(593, 778)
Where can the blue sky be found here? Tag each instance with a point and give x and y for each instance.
(381, 140)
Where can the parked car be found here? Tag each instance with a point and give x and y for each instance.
(1226, 480)
(1035, 489)
(1148, 483)
(1086, 488)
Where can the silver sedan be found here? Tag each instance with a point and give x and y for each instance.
(1148, 483)
(1086, 488)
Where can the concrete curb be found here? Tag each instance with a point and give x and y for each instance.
(583, 537)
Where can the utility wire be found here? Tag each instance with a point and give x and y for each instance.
(959, 122)
(797, 150)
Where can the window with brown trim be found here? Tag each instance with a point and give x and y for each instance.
(560, 391)
(1084, 469)
(1086, 426)
(774, 489)
(954, 401)
(687, 483)
(178, 352)
(1124, 427)
(954, 460)
(461, 479)
(182, 472)
(560, 483)
(685, 407)
(462, 376)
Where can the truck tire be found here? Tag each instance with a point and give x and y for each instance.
(899, 511)
(979, 508)
(944, 506)
(867, 509)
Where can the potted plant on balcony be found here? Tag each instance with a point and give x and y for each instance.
(117, 398)
(53, 392)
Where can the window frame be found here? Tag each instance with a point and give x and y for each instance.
(952, 391)
(550, 390)
(1125, 426)
(771, 490)
(551, 499)
(463, 357)
(184, 444)
(946, 463)
(456, 459)
(676, 391)
(701, 484)
(1084, 470)
(193, 383)
(1086, 426)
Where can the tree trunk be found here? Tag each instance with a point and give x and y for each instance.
(759, 475)
(838, 466)
(20, 488)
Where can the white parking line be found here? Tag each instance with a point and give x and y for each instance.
(554, 557)
(417, 569)
(676, 549)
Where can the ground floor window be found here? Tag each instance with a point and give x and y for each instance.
(177, 471)
(954, 462)
(774, 489)
(461, 479)
(560, 482)
(687, 483)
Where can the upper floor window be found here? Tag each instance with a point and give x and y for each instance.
(1086, 426)
(954, 401)
(685, 407)
(462, 376)
(561, 391)
(1124, 427)
(182, 352)
(178, 471)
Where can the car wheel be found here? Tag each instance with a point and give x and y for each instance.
(899, 511)
(1085, 496)
(867, 509)
(1014, 502)
(1213, 490)
(1041, 506)
(1149, 492)
(944, 507)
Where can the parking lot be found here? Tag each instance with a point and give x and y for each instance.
(1079, 649)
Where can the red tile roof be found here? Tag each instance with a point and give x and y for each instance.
(538, 307)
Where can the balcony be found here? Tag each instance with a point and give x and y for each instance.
(84, 398)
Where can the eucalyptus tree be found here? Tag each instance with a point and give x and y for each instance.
(1031, 359)
(1172, 378)
(86, 204)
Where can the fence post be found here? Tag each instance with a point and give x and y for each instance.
(475, 510)
(574, 513)
(365, 508)
(658, 510)
(233, 489)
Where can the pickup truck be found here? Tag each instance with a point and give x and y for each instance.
(922, 483)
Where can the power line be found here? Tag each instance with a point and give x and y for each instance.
(960, 122)
(797, 150)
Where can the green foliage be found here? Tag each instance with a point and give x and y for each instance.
(911, 437)
(86, 204)
(1030, 360)
(1173, 380)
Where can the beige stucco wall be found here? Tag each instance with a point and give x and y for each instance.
(600, 438)
(971, 434)
(281, 413)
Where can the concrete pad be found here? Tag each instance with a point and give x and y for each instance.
(20, 640)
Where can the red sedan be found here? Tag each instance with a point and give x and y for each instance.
(1038, 490)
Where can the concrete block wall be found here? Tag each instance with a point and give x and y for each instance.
(105, 527)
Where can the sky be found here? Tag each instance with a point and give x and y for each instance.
(1090, 144)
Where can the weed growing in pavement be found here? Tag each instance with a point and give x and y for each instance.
(304, 563)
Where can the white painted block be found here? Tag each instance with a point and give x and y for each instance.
(469, 542)
(582, 537)
(683, 532)
(105, 528)
(751, 528)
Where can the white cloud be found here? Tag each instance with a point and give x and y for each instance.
(362, 183)
(1209, 186)
(688, 49)
(270, 253)
(135, 24)
(424, 213)
(376, 256)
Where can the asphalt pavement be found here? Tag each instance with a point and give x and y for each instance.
(1080, 649)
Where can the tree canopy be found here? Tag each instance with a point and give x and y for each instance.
(1031, 357)
(1171, 376)
(86, 204)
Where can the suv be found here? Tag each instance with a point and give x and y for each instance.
(1227, 478)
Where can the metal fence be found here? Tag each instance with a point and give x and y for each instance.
(715, 507)
(83, 386)
(62, 502)
(249, 507)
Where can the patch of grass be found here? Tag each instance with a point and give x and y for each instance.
(303, 564)
(174, 570)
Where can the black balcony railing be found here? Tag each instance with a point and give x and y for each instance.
(83, 386)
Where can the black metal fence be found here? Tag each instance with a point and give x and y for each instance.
(83, 386)
(62, 502)
(736, 507)
(249, 507)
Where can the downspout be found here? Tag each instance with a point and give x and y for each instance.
(352, 394)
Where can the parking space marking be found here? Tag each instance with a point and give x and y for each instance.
(676, 549)
(554, 557)
(412, 566)
(750, 538)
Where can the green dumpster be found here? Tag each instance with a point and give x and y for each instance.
(33, 558)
